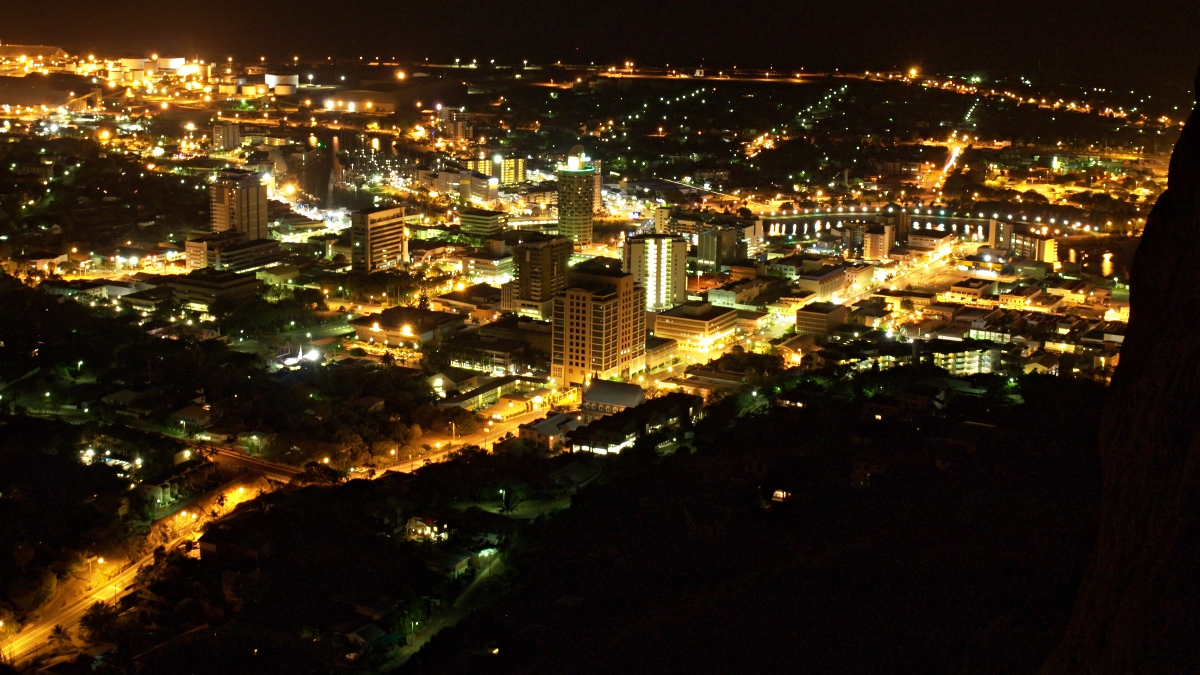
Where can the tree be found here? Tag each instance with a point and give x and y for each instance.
(423, 300)
(99, 620)
(310, 298)
(59, 636)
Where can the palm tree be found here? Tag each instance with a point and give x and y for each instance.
(59, 636)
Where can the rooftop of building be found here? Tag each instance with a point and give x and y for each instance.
(482, 342)
(820, 308)
(482, 213)
(478, 293)
(654, 343)
(608, 392)
(379, 209)
(973, 284)
(657, 235)
(399, 316)
(699, 311)
(484, 254)
(206, 276)
(600, 266)
(555, 424)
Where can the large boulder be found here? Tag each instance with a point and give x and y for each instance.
(1138, 610)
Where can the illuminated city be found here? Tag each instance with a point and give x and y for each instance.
(502, 364)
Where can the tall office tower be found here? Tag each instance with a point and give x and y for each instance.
(599, 328)
(482, 222)
(540, 266)
(238, 200)
(378, 239)
(226, 136)
(576, 191)
(658, 263)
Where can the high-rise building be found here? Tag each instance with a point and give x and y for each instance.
(378, 239)
(226, 136)
(598, 188)
(576, 195)
(482, 222)
(599, 328)
(658, 263)
(1000, 234)
(1035, 246)
(510, 170)
(540, 266)
(662, 219)
(238, 201)
(719, 247)
(878, 242)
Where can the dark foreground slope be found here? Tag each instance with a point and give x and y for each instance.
(960, 553)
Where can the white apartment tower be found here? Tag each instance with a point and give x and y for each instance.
(658, 263)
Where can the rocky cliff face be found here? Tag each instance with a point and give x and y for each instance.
(1139, 608)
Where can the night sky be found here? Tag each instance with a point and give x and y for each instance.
(1114, 41)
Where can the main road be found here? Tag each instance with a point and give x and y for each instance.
(37, 635)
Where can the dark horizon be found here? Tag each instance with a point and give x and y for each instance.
(1101, 41)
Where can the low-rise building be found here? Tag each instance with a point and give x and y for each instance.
(660, 352)
(819, 318)
(825, 283)
(674, 412)
(406, 326)
(961, 357)
(480, 302)
(550, 431)
(605, 397)
(697, 326)
(198, 290)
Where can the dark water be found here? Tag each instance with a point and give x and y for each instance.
(1104, 256)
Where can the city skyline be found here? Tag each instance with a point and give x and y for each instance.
(640, 347)
(1081, 40)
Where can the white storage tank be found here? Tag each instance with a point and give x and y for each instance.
(276, 80)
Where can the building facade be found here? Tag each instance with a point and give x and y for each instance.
(599, 324)
(238, 202)
(878, 242)
(719, 247)
(378, 239)
(576, 196)
(226, 136)
(697, 327)
(481, 222)
(510, 170)
(658, 263)
(540, 265)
